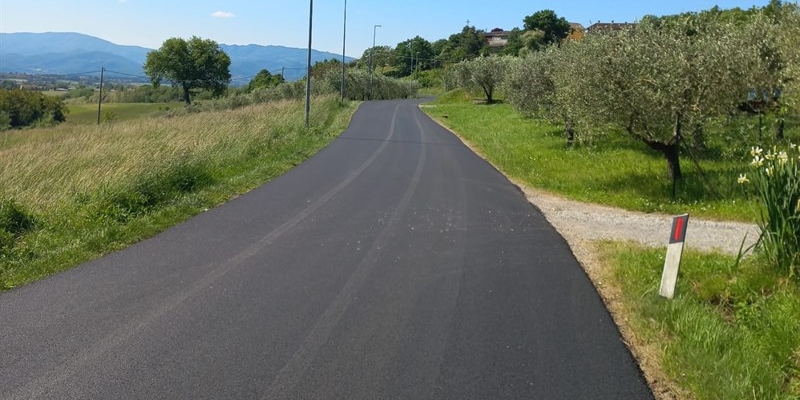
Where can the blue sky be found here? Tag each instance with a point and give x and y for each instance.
(149, 22)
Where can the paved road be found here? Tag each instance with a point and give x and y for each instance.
(395, 264)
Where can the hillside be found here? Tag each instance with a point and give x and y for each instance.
(66, 53)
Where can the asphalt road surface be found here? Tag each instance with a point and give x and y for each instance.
(395, 264)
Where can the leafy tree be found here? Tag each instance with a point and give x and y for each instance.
(416, 50)
(466, 45)
(515, 43)
(320, 68)
(264, 79)
(555, 28)
(530, 87)
(483, 73)
(532, 41)
(655, 81)
(193, 64)
(381, 57)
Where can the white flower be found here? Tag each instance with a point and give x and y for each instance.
(743, 179)
(783, 158)
(757, 162)
(756, 151)
(769, 171)
(792, 146)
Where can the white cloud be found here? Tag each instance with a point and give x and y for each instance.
(222, 14)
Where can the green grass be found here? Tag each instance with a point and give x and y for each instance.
(74, 192)
(85, 113)
(613, 169)
(730, 333)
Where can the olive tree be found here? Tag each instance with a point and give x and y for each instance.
(782, 42)
(530, 87)
(653, 81)
(193, 64)
(483, 73)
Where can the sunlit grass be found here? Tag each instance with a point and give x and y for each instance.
(730, 333)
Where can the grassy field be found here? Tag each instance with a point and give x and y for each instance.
(731, 331)
(613, 170)
(85, 113)
(73, 192)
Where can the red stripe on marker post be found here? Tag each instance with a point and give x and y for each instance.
(679, 229)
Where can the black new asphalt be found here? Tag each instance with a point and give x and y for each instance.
(395, 264)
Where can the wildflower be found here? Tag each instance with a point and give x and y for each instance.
(770, 156)
(756, 151)
(757, 162)
(783, 158)
(792, 146)
(743, 179)
(769, 171)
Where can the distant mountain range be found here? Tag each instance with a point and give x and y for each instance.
(64, 53)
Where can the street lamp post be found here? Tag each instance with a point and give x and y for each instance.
(344, 43)
(416, 73)
(411, 50)
(308, 65)
(371, 54)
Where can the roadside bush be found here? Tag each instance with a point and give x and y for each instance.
(359, 83)
(134, 199)
(25, 108)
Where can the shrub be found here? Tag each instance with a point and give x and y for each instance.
(138, 197)
(26, 108)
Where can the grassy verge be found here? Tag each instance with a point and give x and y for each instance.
(613, 169)
(73, 192)
(730, 333)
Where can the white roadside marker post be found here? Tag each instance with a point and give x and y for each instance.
(674, 254)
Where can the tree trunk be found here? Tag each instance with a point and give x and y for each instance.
(672, 154)
(570, 130)
(781, 126)
(488, 92)
(186, 98)
(671, 150)
(698, 137)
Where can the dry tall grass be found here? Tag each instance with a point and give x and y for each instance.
(44, 169)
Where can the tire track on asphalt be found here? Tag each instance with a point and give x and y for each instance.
(287, 379)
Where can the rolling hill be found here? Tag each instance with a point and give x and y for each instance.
(67, 53)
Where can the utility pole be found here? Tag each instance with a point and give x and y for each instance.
(344, 43)
(308, 65)
(371, 53)
(100, 101)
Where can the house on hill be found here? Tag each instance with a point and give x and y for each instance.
(497, 37)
